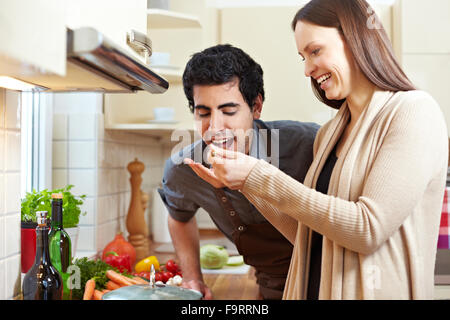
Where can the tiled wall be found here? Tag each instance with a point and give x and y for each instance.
(9, 191)
(95, 161)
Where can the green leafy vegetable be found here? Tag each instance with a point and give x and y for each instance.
(92, 269)
(41, 201)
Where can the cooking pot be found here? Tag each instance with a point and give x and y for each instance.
(147, 292)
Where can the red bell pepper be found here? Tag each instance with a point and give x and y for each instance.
(122, 262)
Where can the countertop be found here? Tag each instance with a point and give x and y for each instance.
(223, 286)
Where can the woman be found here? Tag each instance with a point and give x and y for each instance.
(365, 222)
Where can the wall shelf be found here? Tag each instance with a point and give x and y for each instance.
(164, 19)
(149, 129)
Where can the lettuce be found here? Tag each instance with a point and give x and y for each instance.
(213, 256)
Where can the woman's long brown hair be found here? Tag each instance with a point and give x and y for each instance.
(366, 39)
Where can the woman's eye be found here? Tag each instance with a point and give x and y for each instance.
(203, 115)
(315, 52)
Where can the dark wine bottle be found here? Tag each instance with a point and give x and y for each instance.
(60, 244)
(42, 281)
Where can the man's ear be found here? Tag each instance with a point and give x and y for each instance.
(257, 107)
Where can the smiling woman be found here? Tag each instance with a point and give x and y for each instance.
(368, 45)
(365, 222)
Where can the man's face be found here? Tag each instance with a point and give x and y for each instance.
(223, 117)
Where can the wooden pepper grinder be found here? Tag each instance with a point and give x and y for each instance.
(136, 225)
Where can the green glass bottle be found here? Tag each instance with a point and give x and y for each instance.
(60, 244)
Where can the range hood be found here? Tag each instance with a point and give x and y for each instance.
(94, 63)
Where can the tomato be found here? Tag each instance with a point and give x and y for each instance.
(145, 274)
(158, 276)
(171, 266)
(166, 276)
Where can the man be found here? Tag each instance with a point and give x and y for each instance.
(225, 91)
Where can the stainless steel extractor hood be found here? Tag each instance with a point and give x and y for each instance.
(94, 63)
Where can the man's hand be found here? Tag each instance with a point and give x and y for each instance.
(199, 286)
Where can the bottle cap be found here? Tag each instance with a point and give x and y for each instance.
(57, 195)
(41, 217)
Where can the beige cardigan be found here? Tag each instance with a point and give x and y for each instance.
(380, 219)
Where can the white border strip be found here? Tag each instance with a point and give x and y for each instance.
(273, 3)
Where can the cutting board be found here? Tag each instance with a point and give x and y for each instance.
(227, 244)
(242, 269)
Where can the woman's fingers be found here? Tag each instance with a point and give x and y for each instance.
(216, 152)
(204, 173)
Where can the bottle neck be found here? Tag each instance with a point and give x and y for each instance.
(42, 251)
(57, 216)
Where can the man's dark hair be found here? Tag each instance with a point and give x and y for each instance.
(221, 64)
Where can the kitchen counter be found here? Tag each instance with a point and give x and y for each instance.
(223, 286)
(233, 286)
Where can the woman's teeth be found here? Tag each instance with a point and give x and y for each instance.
(324, 78)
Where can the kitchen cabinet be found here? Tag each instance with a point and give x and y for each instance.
(423, 27)
(424, 48)
(165, 19)
(33, 37)
(180, 32)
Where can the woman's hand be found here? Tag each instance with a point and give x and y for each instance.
(204, 173)
(229, 168)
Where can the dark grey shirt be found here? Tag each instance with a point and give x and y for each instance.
(184, 192)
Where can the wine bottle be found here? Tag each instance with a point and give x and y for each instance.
(60, 244)
(42, 281)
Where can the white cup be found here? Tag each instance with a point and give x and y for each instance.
(164, 114)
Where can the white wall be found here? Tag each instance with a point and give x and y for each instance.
(95, 161)
(10, 134)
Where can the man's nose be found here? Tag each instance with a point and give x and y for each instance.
(216, 122)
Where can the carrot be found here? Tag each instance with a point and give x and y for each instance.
(111, 285)
(132, 281)
(118, 278)
(98, 294)
(105, 291)
(89, 289)
(138, 280)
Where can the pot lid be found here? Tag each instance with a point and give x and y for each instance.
(146, 292)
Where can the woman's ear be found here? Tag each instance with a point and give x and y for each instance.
(257, 107)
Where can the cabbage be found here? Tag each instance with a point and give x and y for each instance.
(213, 256)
